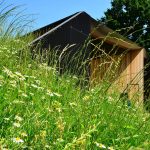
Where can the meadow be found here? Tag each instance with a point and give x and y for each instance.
(41, 109)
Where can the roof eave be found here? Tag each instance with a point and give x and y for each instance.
(109, 36)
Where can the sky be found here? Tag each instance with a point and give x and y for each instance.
(48, 11)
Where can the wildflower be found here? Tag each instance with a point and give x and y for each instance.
(97, 144)
(92, 90)
(51, 94)
(47, 146)
(8, 72)
(17, 140)
(13, 83)
(18, 102)
(35, 86)
(57, 106)
(21, 77)
(57, 94)
(111, 148)
(14, 52)
(38, 82)
(102, 146)
(59, 110)
(24, 134)
(60, 140)
(86, 98)
(49, 110)
(110, 99)
(16, 124)
(18, 118)
(73, 104)
(24, 95)
(60, 124)
(32, 77)
(43, 133)
(40, 88)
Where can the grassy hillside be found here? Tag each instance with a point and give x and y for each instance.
(39, 109)
(42, 110)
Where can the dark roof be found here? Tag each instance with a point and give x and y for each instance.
(113, 37)
(54, 26)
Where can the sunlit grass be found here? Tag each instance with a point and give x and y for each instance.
(41, 109)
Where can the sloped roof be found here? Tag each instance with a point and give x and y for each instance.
(98, 30)
(54, 26)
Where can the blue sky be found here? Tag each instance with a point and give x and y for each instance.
(48, 11)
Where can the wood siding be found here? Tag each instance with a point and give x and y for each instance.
(127, 73)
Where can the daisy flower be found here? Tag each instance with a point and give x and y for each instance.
(17, 140)
(18, 118)
(16, 124)
(111, 148)
(102, 146)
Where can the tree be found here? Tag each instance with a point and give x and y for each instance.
(132, 18)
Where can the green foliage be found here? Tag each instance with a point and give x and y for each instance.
(131, 18)
(42, 110)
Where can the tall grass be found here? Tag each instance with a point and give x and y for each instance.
(41, 109)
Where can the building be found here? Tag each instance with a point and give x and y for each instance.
(107, 52)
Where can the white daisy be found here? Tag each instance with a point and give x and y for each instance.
(16, 124)
(18, 118)
(17, 140)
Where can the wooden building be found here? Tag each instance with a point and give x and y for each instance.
(106, 49)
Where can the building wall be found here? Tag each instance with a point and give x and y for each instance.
(131, 76)
(125, 72)
(75, 31)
